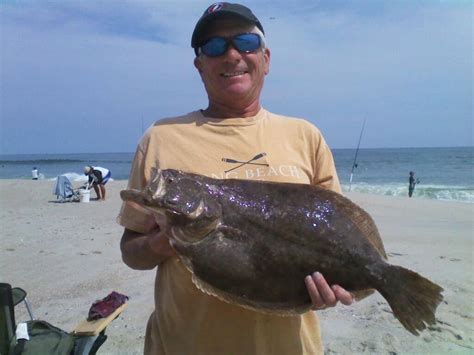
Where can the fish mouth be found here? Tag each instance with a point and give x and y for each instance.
(154, 191)
(135, 196)
(142, 200)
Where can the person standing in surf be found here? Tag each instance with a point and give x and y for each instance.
(411, 183)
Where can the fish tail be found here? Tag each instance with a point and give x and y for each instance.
(412, 297)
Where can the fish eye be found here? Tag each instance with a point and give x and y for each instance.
(169, 180)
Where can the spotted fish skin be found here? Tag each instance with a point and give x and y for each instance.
(252, 243)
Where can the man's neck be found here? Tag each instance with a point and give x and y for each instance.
(217, 110)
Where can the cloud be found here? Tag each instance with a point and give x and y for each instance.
(118, 18)
(407, 68)
(108, 65)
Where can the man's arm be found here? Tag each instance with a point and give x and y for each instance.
(145, 251)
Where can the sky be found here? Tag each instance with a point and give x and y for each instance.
(90, 76)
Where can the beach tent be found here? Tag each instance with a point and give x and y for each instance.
(64, 191)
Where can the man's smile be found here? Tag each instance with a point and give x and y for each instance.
(232, 74)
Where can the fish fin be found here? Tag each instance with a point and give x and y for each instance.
(412, 297)
(367, 227)
(271, 309)
(362, 220)
(365, 224)
(361, 294)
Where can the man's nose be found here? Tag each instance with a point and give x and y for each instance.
(232, 53)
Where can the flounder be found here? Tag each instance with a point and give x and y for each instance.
(252, 243)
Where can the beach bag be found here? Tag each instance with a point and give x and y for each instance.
(45, 339)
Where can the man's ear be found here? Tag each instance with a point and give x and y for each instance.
(266, 60)
(198, 64)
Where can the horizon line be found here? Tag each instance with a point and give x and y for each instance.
(353, 148)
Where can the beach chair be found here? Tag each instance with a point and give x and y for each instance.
(64, 191)
(44, 338)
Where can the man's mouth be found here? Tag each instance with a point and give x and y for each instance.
(232, 74)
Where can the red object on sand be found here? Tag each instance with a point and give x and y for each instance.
(106, 306)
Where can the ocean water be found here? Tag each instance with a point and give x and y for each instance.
(52, 165)
(444, 173)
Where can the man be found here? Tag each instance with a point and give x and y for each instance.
(98, 177)
(234, 137)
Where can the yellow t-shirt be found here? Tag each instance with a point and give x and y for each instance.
(264, 147)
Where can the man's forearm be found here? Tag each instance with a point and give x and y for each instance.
(137, 253)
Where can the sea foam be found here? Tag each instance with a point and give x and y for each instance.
(437, 192)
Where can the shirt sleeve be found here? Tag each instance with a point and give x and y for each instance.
(325, 174)
(131, 215)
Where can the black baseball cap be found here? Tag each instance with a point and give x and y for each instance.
(218, 9)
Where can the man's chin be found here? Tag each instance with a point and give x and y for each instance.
(236, 90)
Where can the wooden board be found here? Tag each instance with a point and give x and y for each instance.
(94, 327)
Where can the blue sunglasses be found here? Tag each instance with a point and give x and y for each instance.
(244, 43)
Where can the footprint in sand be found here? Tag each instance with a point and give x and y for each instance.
(94, 252)
(395, 254)
(445, 329)
(450, 259)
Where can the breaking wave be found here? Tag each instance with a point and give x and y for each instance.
(436, 192)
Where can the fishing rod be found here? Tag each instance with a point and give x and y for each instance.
(354, 164)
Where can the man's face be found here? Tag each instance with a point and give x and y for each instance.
(234, 78)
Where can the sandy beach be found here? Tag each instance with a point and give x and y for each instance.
(66, 255)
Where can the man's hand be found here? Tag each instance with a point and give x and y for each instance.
(160, 244)
(322, 295)
(144, 252)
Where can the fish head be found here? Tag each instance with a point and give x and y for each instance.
(172, 191)
(178, 193)
(184, 200)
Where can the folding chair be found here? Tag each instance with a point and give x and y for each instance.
(44, 338)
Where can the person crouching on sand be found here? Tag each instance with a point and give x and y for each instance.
(98, 177)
